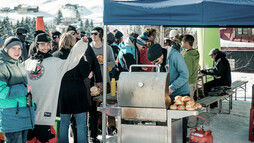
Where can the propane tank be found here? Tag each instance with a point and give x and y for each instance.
(201, 136)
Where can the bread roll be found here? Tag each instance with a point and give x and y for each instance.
(181, 107)
(190, 103)
(186, 98)
(95, 90)
(187, 105)
(100, 58)
(173, 107)
(178, 98)
(192, 108)
(198, 105)
(179, 102)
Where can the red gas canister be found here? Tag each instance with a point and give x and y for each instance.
(200, 136)
(251, 126)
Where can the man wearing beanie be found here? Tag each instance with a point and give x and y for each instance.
(10, 42)
(175, 65)
(22, 35)
(41, 69)
(178, 71)
(33, 45)
(157, 55)
(15, 119)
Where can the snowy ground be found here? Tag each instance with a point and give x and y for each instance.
(227, 128)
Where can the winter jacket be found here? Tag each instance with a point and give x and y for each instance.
(45, 79)
(14, 113)
(192, 59)
(128, 55)
(221, 70)
(25, 50)
(73, 101)
(115, 49)
(94, 65)
(110, 57)
(179, 74)
(144, 60)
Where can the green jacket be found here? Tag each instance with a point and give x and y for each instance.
(14, 113)
(192, 59)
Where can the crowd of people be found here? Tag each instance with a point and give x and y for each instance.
(53, 75)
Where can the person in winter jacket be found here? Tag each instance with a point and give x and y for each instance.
(150, 33)
(221, 72)
(22, 35)
(178, 72)
(16, 116)
(158, 56)
(191, 58)
(175, 65)
(33, 45)
(146, 40)
(97, 46)
(73, 101)
(56, 38)
(45, 74)
(73, 31)
(176, 39)
(118, 39)
(129, 54)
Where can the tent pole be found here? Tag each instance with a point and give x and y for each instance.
(203, 49)
(105, 71)
(161, 36)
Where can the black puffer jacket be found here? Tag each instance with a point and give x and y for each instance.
(221, 70)
(73, 97)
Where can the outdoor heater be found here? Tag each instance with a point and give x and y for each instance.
(144, 96)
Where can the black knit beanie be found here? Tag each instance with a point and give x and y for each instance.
(10, 42)
(154, 52)
(110, 38)
(118, 34)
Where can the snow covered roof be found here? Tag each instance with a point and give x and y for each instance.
(228, 44)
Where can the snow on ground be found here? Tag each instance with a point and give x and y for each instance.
(90, 9)
(227, 128)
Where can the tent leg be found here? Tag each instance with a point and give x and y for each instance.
(104, 83)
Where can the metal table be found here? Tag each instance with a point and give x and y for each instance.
(171, 132)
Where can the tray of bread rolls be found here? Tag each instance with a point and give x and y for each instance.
(185, 103)
(184, 106)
